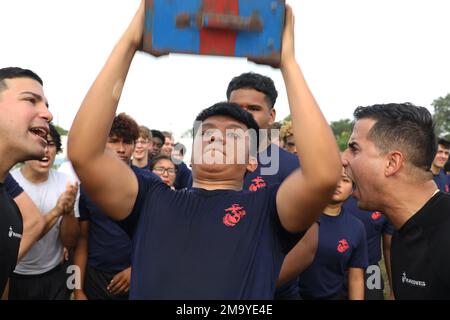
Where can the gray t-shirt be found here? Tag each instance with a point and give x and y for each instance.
(47, 253)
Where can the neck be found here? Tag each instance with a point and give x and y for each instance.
(406, 202)
(6, 163)
(33, 176)
(140, 163)
(4, 169)
(209, 184)
(333, 209)
(435, 170)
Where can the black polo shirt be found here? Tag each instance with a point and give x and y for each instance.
(420, 252)
(10, 235)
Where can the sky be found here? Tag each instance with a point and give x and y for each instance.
(352, 52)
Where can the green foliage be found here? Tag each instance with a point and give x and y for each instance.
(342, 140)
(61, 131)
(342, 129)
(441, 116)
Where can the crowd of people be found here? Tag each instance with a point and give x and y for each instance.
(262, 210)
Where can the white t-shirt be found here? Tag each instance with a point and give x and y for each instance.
(66, 167)
(47, 253)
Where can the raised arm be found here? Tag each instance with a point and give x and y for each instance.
(108, 181)
(305, 193)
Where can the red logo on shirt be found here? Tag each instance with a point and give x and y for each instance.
(447, 189)
(342, 246)
(233, 215)
(258, 183)
(376, 215)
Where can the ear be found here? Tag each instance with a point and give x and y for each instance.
(252, 164)
(273, 115)
(394, 162)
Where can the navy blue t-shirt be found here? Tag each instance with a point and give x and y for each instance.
(342, 245)
(184, 177)
(200, 244)
(12, 187)
(274, 165)
(442, 181)
(375, 224)
(109, 246)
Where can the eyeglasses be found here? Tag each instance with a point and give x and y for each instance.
(141, 141)
(161, 170)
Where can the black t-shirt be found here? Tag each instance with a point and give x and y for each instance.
(12, 187)
(10, 235)
(421, 253)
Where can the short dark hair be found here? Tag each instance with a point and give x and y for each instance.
(15, 72)
(443, 142)
(231, 110)
(158, 134)
(258, 82)
(56, 137)
(404, 126)
(160, 157)
(124, 127)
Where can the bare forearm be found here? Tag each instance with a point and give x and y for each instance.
(387, 257)
(50, 220)
(356, 284)
(304, 193)
(99, 106)
(80, 258)
(70, 230)
(98, 109)
(104, 174)
(33, 231)
(5, 293)
(33, 223)
(300, 257)
(387, 264)
(308, 121)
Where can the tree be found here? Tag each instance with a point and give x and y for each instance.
(441, 116)
(61, 131)
(342, 129)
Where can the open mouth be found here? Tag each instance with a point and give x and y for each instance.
(41, 132)
(44, 160)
